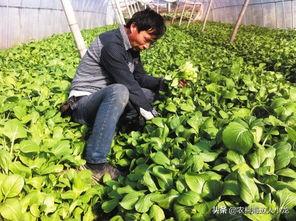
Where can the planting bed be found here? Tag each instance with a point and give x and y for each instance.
(225, 142)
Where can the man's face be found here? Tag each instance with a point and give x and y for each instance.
(140, 40)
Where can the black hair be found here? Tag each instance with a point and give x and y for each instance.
(147, 20)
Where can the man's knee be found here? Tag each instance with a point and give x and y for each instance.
(121, 93)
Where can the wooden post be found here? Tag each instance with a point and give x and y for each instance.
(239, 20)
(138, 6)
(128, 9)
(134, 6)
(207, 15)
(182, 12)
(191, 14)
(175, 12)
(119, 13)
(115, 10)
(69, 12)
(130, 6)
(284, 13)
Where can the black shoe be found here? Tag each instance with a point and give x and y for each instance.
(99, 170)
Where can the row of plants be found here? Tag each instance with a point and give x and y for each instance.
(223, 141)
(257, 45)
(226, 140)
(40, 152)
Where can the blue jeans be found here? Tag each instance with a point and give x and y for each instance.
(101, 111)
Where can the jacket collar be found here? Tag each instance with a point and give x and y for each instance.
(126, 41)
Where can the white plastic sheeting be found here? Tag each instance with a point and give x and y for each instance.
(25, 20)
(266, 13)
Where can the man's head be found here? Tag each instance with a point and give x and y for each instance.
(144, 28)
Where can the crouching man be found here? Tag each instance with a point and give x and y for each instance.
(110, 82)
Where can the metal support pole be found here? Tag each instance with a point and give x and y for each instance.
(207, 15)
(69, 12)
(239, 20)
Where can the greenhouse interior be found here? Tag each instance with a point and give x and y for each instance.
(216, 142)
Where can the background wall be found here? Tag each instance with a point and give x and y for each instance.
(25, 20)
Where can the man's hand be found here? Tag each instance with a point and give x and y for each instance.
(163, 84)
(148, 115)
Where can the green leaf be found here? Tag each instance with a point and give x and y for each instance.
(195, 182)
(195, 121)
(236, 137)
(283, 155)
(11, 210)
(164, 176)
(14, 129)
(129, 200)
(145, 217)
(291, 133)
(125, 189)
(144, 203)
(165, 200)
(209, 127)
(18, 168)
(5, 159)
(29, 146)
(257, 158)
(12, 186)
(156, 213)
(158, 121)
(117, 218)
(148, 181)
(287, 172)
(160, 158)
(222, 167)
(241, 112)
(285, 199)
(171, 107)
(212, 189)
(49, 204)
(209, 156)
(20, 111)
(36, 182)
(249, 191)
(34, 209)
(61, 148)
(187, 107)
(182, 212)
(189, 198)
(109, 205)
(231, 188)
(258, 212)
(235, 157)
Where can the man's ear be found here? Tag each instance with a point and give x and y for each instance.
(134, 28)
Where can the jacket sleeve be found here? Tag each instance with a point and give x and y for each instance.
(113, 60)
(146, 81)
